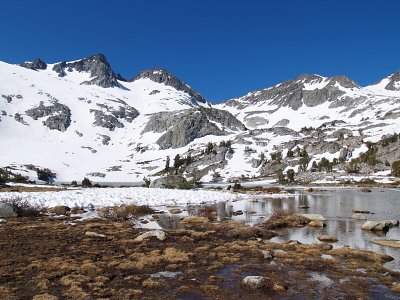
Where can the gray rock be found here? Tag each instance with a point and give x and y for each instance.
(375, 226)
(159, 234)
(7, 211)
(257, 282)
(20, 119)
(357, 216)
(170, 181)
(96, 174)
(268, 254)
(99, 68)
(315, 223)
(184, 127)
(59, 115)
(37, 64)
(105, 139)
(163, 76)
(105, 120)
(313, 217)
(2, 221)
(327, 238)
(393, 83)
(343, 153)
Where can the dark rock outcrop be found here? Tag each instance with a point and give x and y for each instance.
(98, 66)
(59, 115)
(170, 181)
(163, 76)
(37, 64)
(394, 83)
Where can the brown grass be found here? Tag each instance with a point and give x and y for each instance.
(283, 218)
(124, 212)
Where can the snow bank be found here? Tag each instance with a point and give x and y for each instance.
(133, 195)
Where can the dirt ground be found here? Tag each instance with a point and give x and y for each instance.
(61, 258)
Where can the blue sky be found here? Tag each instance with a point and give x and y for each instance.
(223, 49)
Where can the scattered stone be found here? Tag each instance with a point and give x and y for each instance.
(7, 211)
(45, 297)
(365, 190)
(2, 221)
(316, 224)
(268, 254)
(159, 234)
(304, 207)
(166, 274)
(195, 220)
(313, 217)
(257, 282)
(60, 210)
(355, 211)
(175, 211)
(375, 226)
(388, 243)
(358, 216)
(327, 238)
(94, 234)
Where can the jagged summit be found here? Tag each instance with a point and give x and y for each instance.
(394, 82)
(98, 67)
(163, 76)
(37, 64)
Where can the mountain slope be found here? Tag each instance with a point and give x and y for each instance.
(81, 119)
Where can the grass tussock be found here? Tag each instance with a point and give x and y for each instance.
(283, 218)
(124, 212)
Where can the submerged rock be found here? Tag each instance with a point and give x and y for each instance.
(327, 238)
(159, 234)
(358, 216)
(313, 217)
(388, 243)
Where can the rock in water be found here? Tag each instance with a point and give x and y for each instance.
(327, 238)
(375, 226)
(358, 217)
(388, 243)
(316, 224)
(159, 234)
(313, 217)
(257, 282)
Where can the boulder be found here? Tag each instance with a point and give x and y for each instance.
(170, 181)
(159, 234)
(391, 223)
(268, 254)
(94, 234)
(388, 243)
(375, 226)
(60, 210)
(2, 221)
(358, 216)
(257, 282)
(316, 224)
(327, 238)
(192, 220)
(7, 210)
(313, 217)
(175, 211)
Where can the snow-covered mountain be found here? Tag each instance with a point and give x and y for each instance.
(81, 119)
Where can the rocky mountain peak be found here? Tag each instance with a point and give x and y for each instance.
(344, 82)
(394, 83)
(37, 64)
(163, 76)
(98, 67)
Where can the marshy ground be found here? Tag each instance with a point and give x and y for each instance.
(62, 258)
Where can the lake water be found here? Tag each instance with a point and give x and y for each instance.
(335, 204)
